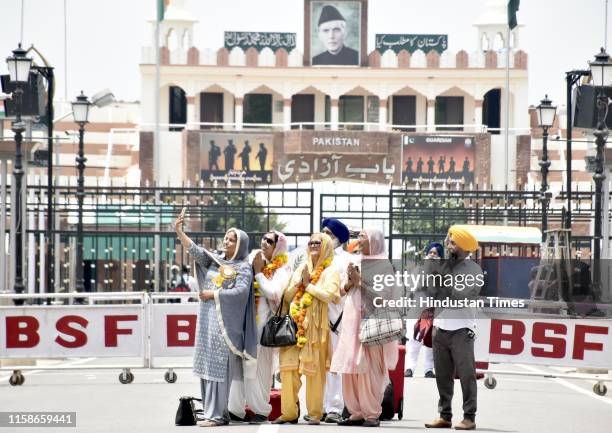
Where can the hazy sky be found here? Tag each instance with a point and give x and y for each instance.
(105, 36)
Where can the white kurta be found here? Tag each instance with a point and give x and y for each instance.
(333, 399)
(255, 392)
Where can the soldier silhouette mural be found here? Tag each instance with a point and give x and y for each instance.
(229, 153)
(213, 156)
(438, 159)
(237, 160)
(262, 155)
(245, 155)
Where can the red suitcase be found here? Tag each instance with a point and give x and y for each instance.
(397, 378)
(275, 401)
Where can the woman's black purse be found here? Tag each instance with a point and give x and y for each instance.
(279, 331)
(186, 414)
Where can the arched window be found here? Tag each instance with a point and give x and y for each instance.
(177, 108)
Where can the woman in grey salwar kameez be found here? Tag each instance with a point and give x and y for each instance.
(225, 333)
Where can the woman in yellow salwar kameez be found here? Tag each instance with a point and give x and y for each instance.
(313, 285)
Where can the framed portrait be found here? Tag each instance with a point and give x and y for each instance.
(335, 29)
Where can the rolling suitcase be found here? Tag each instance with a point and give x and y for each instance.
(397, 379)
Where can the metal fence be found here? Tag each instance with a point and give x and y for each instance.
(130, 243)
(411, 218)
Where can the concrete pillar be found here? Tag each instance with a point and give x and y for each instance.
(382, 114)
(431, 115)
(287, 114)
(191, 112)
(334, 114)
(477, 113)
(238, 113)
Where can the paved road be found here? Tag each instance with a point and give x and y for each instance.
(517, 404)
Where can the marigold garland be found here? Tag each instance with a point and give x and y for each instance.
(302, 300)
(268, 271)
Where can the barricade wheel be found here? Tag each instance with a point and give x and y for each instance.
(129, 378)
(600, 389)
(16, 379)
(170, 376)
(490, 383)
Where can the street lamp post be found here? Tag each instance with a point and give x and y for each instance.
(80, 110)
(19, 72)
(601, 76)
(546, 118)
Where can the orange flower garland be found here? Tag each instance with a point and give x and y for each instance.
(268, 271)
(302, 300)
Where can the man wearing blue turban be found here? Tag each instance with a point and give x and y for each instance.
(333, 400)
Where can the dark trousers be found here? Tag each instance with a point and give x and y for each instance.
(453, 352)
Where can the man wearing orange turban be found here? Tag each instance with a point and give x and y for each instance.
(455, 328)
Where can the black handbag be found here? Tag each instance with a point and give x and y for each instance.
(186, 414)
(279, 331)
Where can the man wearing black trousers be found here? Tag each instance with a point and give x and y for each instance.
(455, 328)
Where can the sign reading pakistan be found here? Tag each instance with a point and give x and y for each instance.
(239, 157)
(411, 43)
(335, 33)
(432, 158)
(260, 40)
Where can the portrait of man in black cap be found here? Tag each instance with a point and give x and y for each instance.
(332, 32)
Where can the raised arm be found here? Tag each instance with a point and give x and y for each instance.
(194, 251)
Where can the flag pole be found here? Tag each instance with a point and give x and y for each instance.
(506, 138)
(158, 5)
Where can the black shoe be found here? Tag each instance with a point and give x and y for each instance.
(351, 422)
(236, 418)
(408, 373)
(333, 418)
(258, 419)
(371, 423)
(430, 374)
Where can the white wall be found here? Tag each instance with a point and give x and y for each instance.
(171, 169)
(228, 109)
(421, 110)
(498, 156)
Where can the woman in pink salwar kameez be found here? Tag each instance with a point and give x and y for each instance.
(364, 369)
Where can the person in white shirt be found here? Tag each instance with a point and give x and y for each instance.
(455, 328)
(271, 277)
(433, 251)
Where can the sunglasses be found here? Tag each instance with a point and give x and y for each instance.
(269, 241)
(314, 243)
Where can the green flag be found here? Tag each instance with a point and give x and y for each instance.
(513, 6)
(161, 9)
